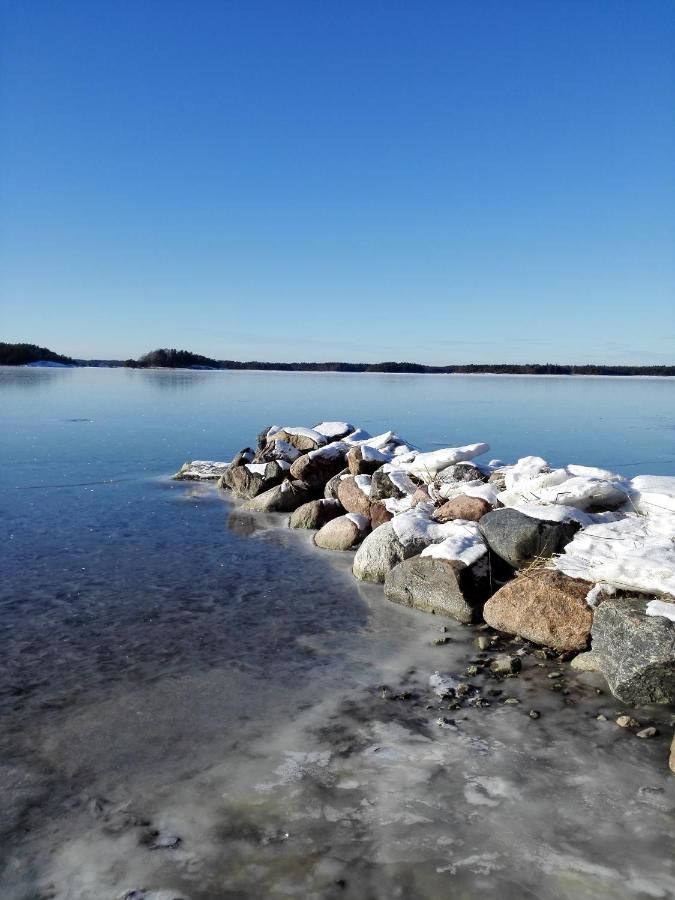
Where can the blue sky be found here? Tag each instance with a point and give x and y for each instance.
(440, 182)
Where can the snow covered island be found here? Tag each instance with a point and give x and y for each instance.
(573, 558)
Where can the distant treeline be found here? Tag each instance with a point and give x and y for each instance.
(23, 354)
(174, 359)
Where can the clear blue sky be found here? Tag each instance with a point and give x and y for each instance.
(451, 181)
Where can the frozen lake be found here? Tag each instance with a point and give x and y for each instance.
(197, 703)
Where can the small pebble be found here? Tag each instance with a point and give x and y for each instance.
(472, 670)
(627, 722)
(601, 718)
(483, 642)
(441, 640)
(534, 714)
(647, 732)
(511, 701)
(555, 674)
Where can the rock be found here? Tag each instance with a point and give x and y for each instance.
(586, 662)
(462, 507)
(248, 481)
(331, 489)
(384, 486)
(648, 732)
(442, 586)
(519, 539)
(285, 497)
(627, 722)
(303, 439)
(505, 664)
(360, 466)
(380, 552)
(534, 714)
(498, 481)
(352, 497)
(315, 514)
(342, 533)
(261, 439)
(421, 495)
(334, 431)
(201, 470)
(318, 468)
(545, 607)
(462, 471)
(671, 759)
(636, 651)
(379, 514)
(244, 456)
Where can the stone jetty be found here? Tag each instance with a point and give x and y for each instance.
(572, 558)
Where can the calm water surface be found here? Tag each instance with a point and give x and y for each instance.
(195, 702)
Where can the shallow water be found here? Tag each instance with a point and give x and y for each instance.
(176, 668)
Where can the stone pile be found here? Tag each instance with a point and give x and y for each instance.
(575, 559)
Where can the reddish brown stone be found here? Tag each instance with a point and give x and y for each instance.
(545, 607)
(379, 514)
(462, 507)
(353, 498)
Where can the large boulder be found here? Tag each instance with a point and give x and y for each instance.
(319, 466)
(462, 507)
(519, 539)
(380, 552)
(442, 586)
(545, 607)
(342, 533)
(636, 651)
(252, 479)
(353, 496)
(315, 514)
(331, 490)
(285, 497)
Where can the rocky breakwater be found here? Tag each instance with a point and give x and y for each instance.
(576, 560)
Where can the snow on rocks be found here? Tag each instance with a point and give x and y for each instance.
(635, 553)
(201, 470)
(426, 466)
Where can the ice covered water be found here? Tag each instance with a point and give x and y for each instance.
(196, 704)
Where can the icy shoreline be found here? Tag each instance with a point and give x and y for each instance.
(571, 558)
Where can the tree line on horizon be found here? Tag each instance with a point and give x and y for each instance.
(170, 358)
(174, 359)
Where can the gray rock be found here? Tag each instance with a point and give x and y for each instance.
(380, 552)
(462, 471)
(245, 483)
(636, 651)
(586, 662)
(261, 439)
(382, 487)
(285, 497)
(244, 456)
(519, 539)
(315, 514)
(441, 586)
(341, 533)
(331, 489)
(505, 664)
(201, 470)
